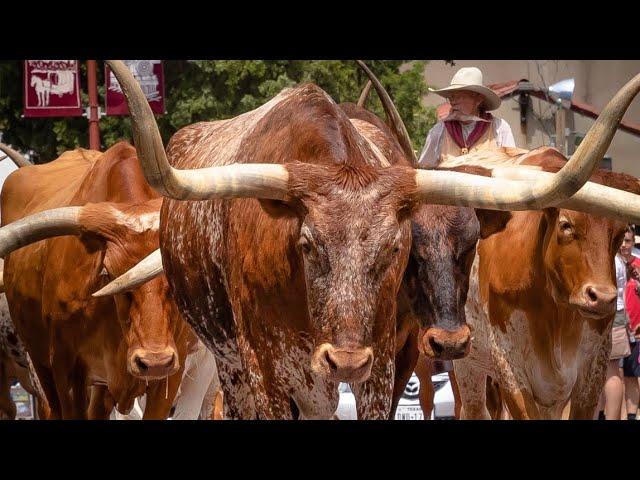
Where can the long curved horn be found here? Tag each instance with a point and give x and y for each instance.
(145, 270)
(18, 159)
(592, 198)
(364, 94)
(501, 194)
(397, 125)
(267, 181)
(40, 226)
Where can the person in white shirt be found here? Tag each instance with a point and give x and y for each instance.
(612, 396)
(469, 126)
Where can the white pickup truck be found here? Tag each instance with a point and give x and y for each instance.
(409, 405)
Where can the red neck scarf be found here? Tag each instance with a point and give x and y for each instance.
(454, 127)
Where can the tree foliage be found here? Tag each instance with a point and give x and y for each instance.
(202, 90)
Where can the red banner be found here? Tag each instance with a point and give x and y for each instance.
(149, 74)
(51, 88)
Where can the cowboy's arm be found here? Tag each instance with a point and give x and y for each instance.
(431, 152)
(504, 135)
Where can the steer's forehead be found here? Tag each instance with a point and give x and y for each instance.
(362, 206)
(355, 220)
(360, 187)
(344, 201)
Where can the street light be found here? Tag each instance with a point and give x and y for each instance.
(562, 93)
(563, 89)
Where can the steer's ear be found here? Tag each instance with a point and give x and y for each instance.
(492, 221)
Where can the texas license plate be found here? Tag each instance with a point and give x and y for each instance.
(409, 413)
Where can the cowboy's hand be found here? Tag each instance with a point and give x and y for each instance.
(636, 332)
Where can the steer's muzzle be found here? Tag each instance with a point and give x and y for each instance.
(594, 300)
(442, 344)
(349, 365)
(147, 364)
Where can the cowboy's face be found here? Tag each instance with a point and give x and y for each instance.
(466, 102)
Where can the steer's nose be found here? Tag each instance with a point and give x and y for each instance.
(443, 344)
(342, 364)
(600, 298)
(149, 364)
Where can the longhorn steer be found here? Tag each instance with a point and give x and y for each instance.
(76, 341)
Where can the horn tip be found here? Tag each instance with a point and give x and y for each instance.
(103, 292)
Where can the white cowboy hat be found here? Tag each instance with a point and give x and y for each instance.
(470, 79)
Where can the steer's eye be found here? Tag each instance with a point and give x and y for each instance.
(304, 244)
(565, 227)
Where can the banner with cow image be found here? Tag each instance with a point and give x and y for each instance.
(51, 88)
(150, 75)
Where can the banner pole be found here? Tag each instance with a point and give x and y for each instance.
(94, 128)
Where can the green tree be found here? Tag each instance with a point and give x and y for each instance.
(202, 90)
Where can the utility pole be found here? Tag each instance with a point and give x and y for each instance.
(560, 128)
(93, 115)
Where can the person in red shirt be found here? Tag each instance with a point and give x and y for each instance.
(631, 364)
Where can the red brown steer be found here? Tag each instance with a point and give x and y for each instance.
(74, 340)
(541, 303)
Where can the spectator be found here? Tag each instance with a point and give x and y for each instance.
(614, 385)
(631, 363)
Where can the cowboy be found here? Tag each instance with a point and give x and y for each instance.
(469, 126)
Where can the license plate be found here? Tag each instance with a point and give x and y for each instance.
(409, 413)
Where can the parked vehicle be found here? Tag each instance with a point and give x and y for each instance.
(409, 405)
